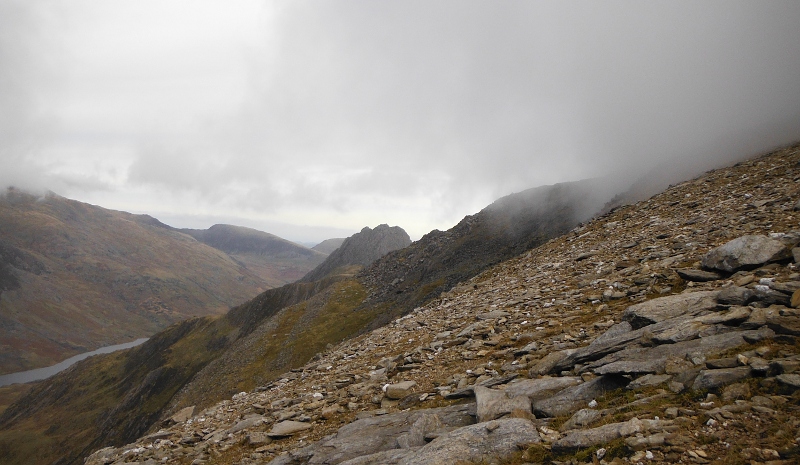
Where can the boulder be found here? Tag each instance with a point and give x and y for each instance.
(581, 439)
(745, 252)
(693, 274)
(573, 398)
(494, 404)
(581, 419)
(735, 295)
(287, 428)
(496, 440)
(376, 434)
(399, 390)
(415, 437)
(540, 388)
(248, 422)
(665, 308)
(713, 379)
(183, 414)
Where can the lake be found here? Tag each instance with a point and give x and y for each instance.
(42, 373)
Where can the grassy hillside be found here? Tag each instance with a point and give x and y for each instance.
(274, 259)
(75, 277)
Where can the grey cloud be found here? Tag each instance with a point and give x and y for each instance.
(449, 105)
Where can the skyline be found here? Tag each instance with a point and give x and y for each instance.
(310, 120)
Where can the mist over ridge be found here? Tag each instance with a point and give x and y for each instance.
(322, 118)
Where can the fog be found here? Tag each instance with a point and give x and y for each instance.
(314, 119)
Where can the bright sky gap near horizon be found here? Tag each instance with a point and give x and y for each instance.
(311, 120)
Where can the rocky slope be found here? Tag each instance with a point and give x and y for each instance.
(279, 330)
(662, 332)
(75, 277)
(362, 248)
(275, 260)
(119, 396)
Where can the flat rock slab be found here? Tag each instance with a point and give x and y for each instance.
(494, 440)
(745, 252)
(246, 423)
(791, 380)
(573, 398)
(647, 381)
(183, 414)
(581, 439)
(581, 419)
(540, 388)
(665, 308)
(400, 390)
(287, 428)
(735, 295)
(713, 379)
(700, 276)
(493, 315)
(380, 433)
(494, 404)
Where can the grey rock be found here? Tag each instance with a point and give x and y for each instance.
(475, 443)
(728, 362)
(784, 324)
(731, 317)
(415, 437)
(647, 381)
(790, 380)
(713, 379)
(550, 361)
(693, 274)
(399, 390)
(581, 419)
(633, 367)
(573, 398)
(771, 297)
(375, 434)
(494, 404)
(387, 457)
(287, 428)
(653, 356)
(581, 439)
(540, 388)
(665, 308)
(183, 414)
(493, 315)
(246, 423)
(735, 295)
(745, 252)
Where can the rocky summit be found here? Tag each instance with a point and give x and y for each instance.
(661, 332)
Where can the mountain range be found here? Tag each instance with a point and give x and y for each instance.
(75, 277)
(203, 360)
(530, 291)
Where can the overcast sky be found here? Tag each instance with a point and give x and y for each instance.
(313, 119)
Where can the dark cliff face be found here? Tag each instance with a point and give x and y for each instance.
(362, 248)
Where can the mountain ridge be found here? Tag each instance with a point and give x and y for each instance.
(565, 331)
(347, 304)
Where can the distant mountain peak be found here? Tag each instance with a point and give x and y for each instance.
(362, 248)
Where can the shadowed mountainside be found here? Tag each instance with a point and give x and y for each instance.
(274, 259)
(329, 245)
